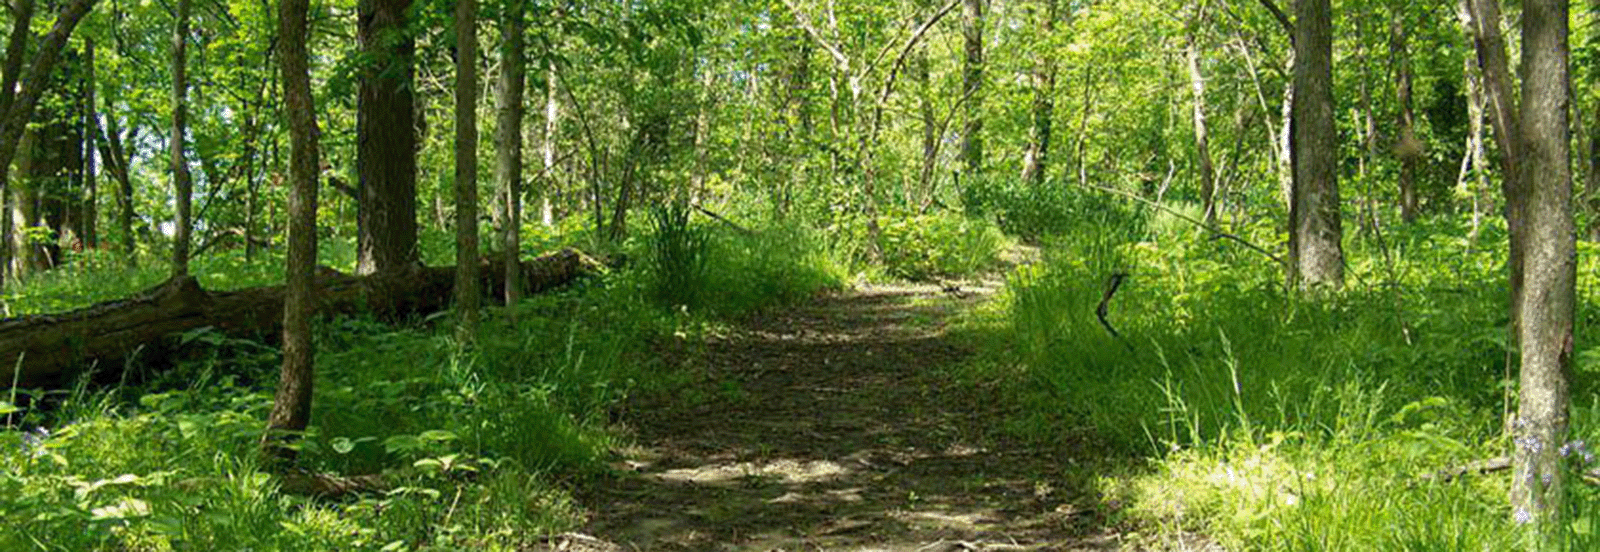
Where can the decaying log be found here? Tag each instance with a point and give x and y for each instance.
(47, 349)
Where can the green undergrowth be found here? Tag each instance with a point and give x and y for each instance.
(1274, 421)
(483, 446)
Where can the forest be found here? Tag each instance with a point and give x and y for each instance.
(698, 275)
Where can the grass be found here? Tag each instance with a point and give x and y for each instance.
(1274, 421)
(485, 445)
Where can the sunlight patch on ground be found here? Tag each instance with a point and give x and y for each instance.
(786, 471)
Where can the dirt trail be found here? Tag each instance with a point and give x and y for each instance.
(836, 425)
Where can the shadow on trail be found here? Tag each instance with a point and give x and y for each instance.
(837, 426)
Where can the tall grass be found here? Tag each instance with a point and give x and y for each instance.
(1277, 421)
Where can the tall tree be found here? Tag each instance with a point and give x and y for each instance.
(116, 161)
(1036, 159)
(466, 181)
(1197, 84)
(182, 185)
(1407, 147)
(972, 84)
(1592, 182)
(508, 159)
(17, 103)
(552, 129)
(1315, 232)
(291, 407)
(386, 137)
(1545, 310)
(91, 126)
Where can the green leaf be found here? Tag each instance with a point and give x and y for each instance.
(7, 408)
(342, 445)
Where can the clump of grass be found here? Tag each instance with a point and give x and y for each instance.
(1277, 421)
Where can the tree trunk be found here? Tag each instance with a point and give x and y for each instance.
(552, 128)
(1407, 147)
(1284, 141)
(972, 82)
(508, 165)
(1036, 160)
(91, 133)
(1482, 198)
(1549, 277)
(1592, 183)
(386, 137)
(183, 187)
(930, 125)
(1316, 254)
(117, 162)
(1202, 144)
(466, 144)
(291, 407)
(53, 347)
(19, 103)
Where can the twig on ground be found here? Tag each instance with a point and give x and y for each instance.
(1491, 465)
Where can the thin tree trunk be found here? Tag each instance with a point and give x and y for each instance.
(114, 153)
(1545, 336)
(16, 48)
(552, 129)
(91, 126)
(1036, 160)
(386, 137)
(291, 406)
(509, 157)
(1482, 198)
(1285, 141)
(466, 177)
(1315, 232)
(183, 186)
(930, 124)
(1592, 183)
(1202, 145)
(1407, 147)
(972, 83)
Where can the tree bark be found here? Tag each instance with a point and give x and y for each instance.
(466, 164)
(1315, 233)
(1407, 147)
(52, 348)
(117, 162)
(1036, 159)
(91, 133)
(291, 406)
(1284, 142)
(552, 128)
(1545, 336)
(1592, 183)
(386, 137)
(1202, 145)
(18, 103)
(508, 165)
(972, 83)
(183, 187)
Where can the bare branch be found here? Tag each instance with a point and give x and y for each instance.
(805, 23)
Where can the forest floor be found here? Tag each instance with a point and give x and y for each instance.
(840, 424)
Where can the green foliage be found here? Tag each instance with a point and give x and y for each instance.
(677, 259)
(925, 247)
(1277, 422)
(475, 441)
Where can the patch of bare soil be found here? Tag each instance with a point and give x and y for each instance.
(836, 425)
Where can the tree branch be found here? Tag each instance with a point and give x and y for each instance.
(1215, 232)
(1278, 14)
(805, 23)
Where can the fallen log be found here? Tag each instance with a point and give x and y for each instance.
(48, 349)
